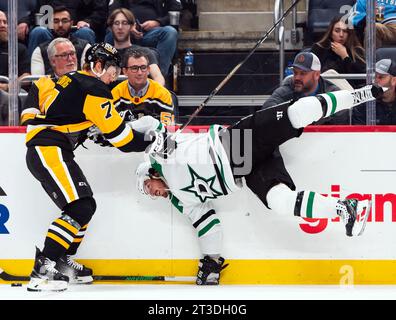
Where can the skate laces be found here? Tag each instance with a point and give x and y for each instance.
(50, 265)
(74, 264)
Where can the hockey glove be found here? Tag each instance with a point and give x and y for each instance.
(163, 145)
(128, 115)
(97, 137)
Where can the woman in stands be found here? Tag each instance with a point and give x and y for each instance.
(340, 50)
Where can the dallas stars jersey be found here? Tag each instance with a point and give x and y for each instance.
(156, 101)
(196, 172)
(69, 107)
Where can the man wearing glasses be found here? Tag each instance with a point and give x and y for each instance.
(40, 63)
(121, 23)
(139, 95)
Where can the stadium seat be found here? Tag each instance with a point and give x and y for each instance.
(386, 53)
(320, 13)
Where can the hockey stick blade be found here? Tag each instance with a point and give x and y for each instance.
(145, 278)
(10, 277)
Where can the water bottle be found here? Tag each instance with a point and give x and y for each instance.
(189, 63)
(288, 69)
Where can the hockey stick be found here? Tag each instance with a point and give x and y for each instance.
(236, 68)
(9, 277)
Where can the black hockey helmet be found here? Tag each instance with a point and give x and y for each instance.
(105, 53)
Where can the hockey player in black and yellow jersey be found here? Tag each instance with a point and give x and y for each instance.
(74, 103)
(139, 95)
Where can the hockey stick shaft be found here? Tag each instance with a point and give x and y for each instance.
(233, 71)
(10, 277)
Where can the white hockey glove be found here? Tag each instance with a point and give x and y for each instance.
(97, 137)
(163, 145)
(146, 124)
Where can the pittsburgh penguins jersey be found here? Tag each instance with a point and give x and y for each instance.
(196, 172)
(155, 100)
(68, 107)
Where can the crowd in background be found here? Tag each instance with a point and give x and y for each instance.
(145, 25)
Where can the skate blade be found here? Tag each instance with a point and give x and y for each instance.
(364, 208)
(39, 285)
(81, 280)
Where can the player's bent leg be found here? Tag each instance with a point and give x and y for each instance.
(307, 110)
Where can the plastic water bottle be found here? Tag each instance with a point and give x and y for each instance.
(189, 63)
(288, 69)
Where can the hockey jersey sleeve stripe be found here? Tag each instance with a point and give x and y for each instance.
(160, 104)
(123, 138)
(28, 114)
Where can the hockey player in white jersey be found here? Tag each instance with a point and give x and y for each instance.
(204, 167)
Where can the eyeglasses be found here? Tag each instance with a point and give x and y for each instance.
(65, 55)
(135, 69)
(63, 21)
(123, 23)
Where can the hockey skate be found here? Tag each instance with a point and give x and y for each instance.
(77, 273)
(209, 271)
(348, 211)
(45, 277)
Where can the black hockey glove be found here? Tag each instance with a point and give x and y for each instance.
(97, 137)
(163, 145)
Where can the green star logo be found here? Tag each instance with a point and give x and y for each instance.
(201, 187)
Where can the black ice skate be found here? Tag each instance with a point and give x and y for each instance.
(348, 211)
(45, 277)
(77, 272)
(209, 271)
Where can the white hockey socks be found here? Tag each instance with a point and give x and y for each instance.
(310, 109)
(305, 204)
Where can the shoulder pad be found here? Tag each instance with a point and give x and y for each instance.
(91, 85)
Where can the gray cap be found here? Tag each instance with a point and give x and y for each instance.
(386, 66)
(307, 61)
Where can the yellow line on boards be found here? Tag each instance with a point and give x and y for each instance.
(271, 272)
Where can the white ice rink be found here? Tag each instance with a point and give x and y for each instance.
(192, 292)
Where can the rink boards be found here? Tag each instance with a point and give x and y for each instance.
(133, 235)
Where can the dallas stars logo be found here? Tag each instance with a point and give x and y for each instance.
(201, 187)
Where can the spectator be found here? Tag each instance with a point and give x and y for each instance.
(88, 15)
(23, 66)
(306, 81)
(139, 95)
(25, 8)
(40, 63)
(63, 59)
(121, 22)
(385, 20)
(152, 28)
(385, 76)
(340, 50)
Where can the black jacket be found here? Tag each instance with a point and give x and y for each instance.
(286, 92)
(330, 60)
(159, 7)
(385, 113)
